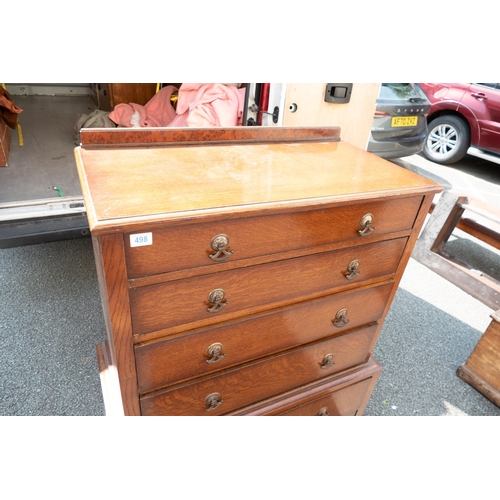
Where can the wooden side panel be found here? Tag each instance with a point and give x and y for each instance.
(484, 358)
(354, 118)
(138, 93)
(108, 95)
(111, 273)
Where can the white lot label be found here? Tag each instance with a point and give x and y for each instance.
(141, 240)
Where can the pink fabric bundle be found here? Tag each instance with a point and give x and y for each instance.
(198, 105)
(157, 112)
(210, 105)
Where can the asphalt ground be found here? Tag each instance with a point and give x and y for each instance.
(431, 329)
(51, 320)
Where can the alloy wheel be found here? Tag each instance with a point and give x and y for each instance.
(442, 139)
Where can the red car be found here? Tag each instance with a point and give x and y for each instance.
(462, 115)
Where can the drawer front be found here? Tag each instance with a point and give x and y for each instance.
(200, 353)
(189, 246)
(342, 402)
(213, 298)
(236, 388)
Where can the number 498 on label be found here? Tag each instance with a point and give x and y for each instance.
(141, 240)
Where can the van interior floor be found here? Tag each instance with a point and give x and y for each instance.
(40, 194)
(46, 160)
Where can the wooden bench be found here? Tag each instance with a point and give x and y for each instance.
(482, 369)
(475, 218)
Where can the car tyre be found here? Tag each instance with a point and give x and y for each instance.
(448, 139)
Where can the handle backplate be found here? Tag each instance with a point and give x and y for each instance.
(213, 401)
(341, 318)
(216, 299)
(327, 362)
(215, 353)
(366, 225)
(352, 269)
(219, 245)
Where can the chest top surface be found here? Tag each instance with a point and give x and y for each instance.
(124, 185)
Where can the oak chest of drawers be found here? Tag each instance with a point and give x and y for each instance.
(244, 271)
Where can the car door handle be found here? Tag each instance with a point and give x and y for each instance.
(479, 95)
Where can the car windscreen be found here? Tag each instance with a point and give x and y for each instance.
(406, 92)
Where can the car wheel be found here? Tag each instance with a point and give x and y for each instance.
(448, 139)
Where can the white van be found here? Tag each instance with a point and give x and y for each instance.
(40, 194)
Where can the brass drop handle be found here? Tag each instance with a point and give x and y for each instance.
(327, 362)
(213, 401)
(366, 225)
(219, 245)
(216, 299)
(323, 412)
(341, 318)
(352, 269)
(215, 353)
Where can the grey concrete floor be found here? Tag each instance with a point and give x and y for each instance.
(51, 320)
(50, 323)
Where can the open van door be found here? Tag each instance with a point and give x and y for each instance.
(350, 106)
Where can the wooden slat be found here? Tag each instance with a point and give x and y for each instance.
(487, 234)
(145, 137)
(483, 225)
(429, 251)
(111, 273)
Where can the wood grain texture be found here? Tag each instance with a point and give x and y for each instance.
(291, 202)
(314, 390)
(144, 137)
(342, 402)
(188, 246)
(484, 364)
(126, 93)
(108, 95)
(173, 360)
(135, 186)
(479, 383)
(111, 274)
(259, 288)
(264, 378)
